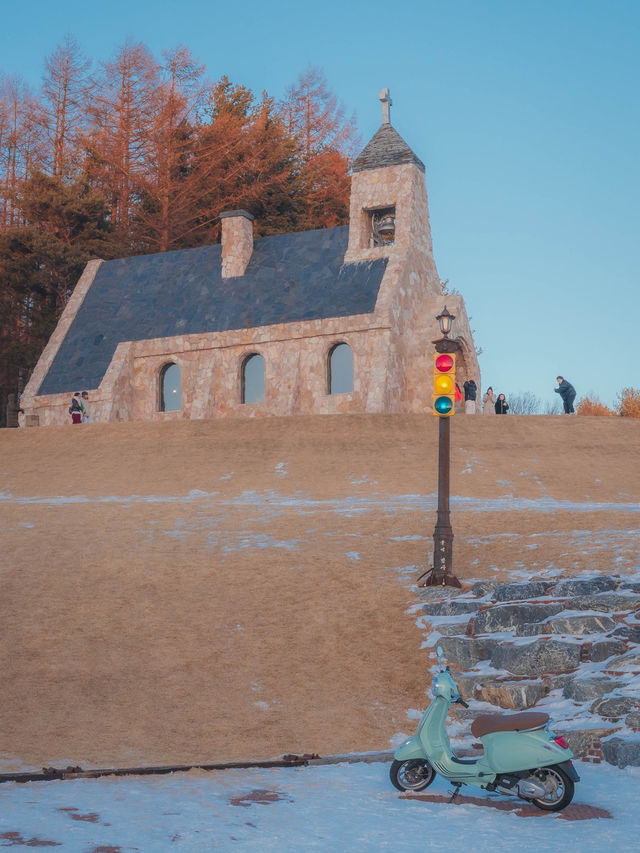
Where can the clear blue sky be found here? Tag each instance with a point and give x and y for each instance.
(525, 112)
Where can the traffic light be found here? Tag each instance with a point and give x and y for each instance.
(444, 384)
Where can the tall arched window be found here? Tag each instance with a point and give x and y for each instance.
(253, 379)
(340, 369)
(170, 392)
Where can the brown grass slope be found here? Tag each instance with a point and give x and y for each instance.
(266, 612)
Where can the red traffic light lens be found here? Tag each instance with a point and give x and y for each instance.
(444, 362)
(443, 405)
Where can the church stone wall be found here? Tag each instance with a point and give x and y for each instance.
(392, 347)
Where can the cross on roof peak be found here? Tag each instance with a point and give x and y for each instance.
(385, 98)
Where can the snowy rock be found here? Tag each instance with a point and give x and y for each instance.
(576, 625)
(537, 658)
(582, 740)
(584, 587)
(465, 653)
(629, 632)
(605, 648)
(557, 682)
(587, 689)
(456, 629)
(610, 602)
(633, 720)
(532, 629)
(467, 685)
(506, 617)
(622, 752)
(614, 706)
(481, 588)
(521, 591)
(515, 694)
(630, 661)
(450, 607)
(633, 585)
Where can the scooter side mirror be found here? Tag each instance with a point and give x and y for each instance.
(440, 654)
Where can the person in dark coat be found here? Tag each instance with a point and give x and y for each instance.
(470, 393)
(75, 409)
(568, 394)
(502, 407)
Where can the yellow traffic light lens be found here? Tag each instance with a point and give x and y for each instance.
(443, 405)
(443, 384)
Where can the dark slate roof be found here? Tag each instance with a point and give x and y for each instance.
(386, 148)
(290, 277)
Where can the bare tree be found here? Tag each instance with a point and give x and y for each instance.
(119, 142)
(316, 119)
(20, 145)
(175, 103)
(64, 99)
(524, 403)
(552, 407)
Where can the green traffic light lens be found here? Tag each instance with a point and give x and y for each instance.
(443, 405)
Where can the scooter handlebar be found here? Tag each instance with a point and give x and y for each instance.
(460, 701)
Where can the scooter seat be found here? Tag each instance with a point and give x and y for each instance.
(489, 723)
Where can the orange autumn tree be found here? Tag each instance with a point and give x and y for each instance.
(326, 140)
(591, 405)
(139, 154)
(628, 403)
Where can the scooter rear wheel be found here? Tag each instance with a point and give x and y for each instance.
(559, 787)
(415, 774)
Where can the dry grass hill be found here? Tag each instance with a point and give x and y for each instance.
(218, 590)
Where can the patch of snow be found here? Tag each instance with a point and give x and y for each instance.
(350, 807)
(261, 541)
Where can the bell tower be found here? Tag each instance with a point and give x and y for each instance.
(388, 207)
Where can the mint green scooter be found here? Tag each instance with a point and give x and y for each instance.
(521, 756)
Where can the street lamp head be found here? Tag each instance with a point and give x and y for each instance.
(446, 321)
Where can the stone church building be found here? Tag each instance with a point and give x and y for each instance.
(315, 322)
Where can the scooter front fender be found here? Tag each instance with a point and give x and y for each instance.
(411, 748)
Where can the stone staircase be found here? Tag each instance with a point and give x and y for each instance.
(569, 646)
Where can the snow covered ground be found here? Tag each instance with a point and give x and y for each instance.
(345, 807)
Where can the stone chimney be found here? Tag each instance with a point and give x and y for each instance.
(237, 242)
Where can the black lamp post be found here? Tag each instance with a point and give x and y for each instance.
(442, 572)
(446, 321)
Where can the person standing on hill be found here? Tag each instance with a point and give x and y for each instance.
(86, 415)
(502, 407)
(489, 402)
(457, 397)
(75, 409)
(470, 393)
(568, 394)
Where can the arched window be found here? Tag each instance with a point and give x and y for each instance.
(340, 369)
(170, 393)
(253, 379)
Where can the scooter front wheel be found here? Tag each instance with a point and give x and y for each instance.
(559, 787)
(415, 774)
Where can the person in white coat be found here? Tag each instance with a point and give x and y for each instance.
(489, 402)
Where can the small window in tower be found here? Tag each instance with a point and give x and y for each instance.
(170, 392)
(253, 379)
(382, 227)
(340, 369)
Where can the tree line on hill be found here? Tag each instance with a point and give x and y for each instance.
(141, 154)
(627, 405)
